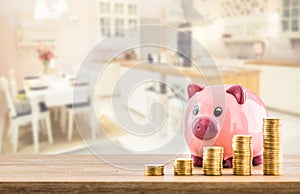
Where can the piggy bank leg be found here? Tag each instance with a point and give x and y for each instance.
(229, 162)
(257, 160)
(197, 161)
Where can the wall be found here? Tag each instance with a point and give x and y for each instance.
(277, 46)
(8, 54)
(74, 39)
(210, 35)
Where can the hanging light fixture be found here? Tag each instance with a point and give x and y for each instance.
(183, 12)
(41, 10)
(56, 10)
(59, 8)
(174, 13)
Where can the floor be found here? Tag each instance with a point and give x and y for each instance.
(290, 131)
(290, 136)
(25, 143)
(113, 137)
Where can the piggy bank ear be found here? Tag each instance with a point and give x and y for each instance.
(238, 92)
(193, 88)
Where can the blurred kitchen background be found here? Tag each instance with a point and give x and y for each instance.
(255, 43)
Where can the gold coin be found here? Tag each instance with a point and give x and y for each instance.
(272, 120)
(242, 155)
(183, 167)
(212, 161)
(272, 164)
(153, 170)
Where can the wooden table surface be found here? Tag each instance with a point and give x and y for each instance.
(88, 174)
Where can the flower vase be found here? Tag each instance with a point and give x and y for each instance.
(46, 67)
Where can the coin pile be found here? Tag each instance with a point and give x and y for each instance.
(153, 170)
(183, 167)
(272, 146)
(242, 155)
(213, 160)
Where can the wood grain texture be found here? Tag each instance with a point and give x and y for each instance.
(273, 63)
(186, 71)
(88, 174)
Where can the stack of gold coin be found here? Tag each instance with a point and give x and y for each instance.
(242, 155)
(213, 161)
(183, 167)
(153, 170)
(272, 146)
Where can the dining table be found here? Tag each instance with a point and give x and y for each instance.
(54, 92)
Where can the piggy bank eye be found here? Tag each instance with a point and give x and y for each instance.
(196, 110)
(218, 111)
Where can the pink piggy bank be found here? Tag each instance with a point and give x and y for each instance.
(216, 113)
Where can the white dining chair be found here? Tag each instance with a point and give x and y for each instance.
(15, 93)
(75, 109)
(13, 84)
(22, 114)
(2, 124)
(80, 106)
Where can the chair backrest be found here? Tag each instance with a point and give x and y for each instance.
(9, 100)
(12, 80)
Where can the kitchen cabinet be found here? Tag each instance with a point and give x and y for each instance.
(279, 88)
(249, 79)
(232, 8)
(246, 29)
(290, 18)
(139, 98)
(229, 75)
(245, 22)
(114, 16)
(107, 81)
(184, 46)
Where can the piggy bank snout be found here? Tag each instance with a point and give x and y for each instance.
(205, 128)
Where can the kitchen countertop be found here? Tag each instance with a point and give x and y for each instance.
(273, 63)
(187, 71)
(88, 174)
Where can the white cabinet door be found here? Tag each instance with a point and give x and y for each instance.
(134, 87)
(290, 18)
(279, 87)
(114, 16)
(107, 81)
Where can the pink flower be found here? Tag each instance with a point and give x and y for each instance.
(45, 54)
